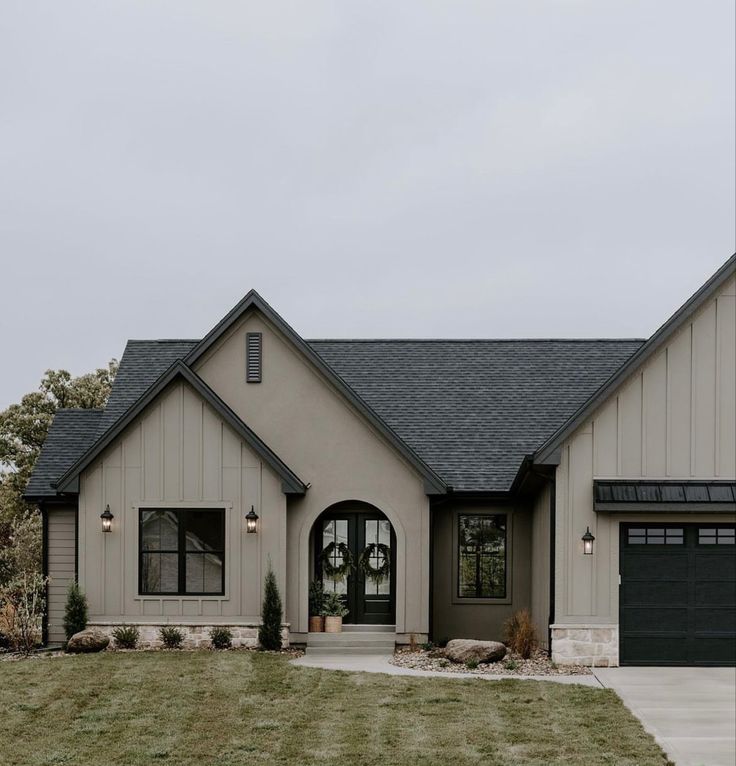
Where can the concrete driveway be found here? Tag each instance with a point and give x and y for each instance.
(690, 711)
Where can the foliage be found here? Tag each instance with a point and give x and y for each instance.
(427, 646)
(221, 637)
(126, 636)
(21, 551)
(333, 606)
(171, 637)
(520, 635)
(24, 426)
(336, 573)
(22, 607)
(511, 664)
(472, 664)
(75, 613)
(269, 632)
(375, 574)
(316, 598)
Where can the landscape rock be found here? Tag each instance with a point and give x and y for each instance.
(467, 649)
(90, 640)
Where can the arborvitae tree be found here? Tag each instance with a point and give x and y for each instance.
(75, 614)
(269, 633)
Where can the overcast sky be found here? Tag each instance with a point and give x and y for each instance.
(374, 169)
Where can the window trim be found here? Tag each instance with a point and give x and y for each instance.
(485, 511)
(182, 552)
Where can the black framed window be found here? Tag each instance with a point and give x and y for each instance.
(717, 536)
(481, 555)
(182, 552)
(655, 536)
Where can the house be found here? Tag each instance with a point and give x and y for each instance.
(592, 482)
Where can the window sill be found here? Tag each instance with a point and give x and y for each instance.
(457, 601)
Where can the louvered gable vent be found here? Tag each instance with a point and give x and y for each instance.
(253, 356)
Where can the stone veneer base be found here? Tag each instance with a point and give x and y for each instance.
(195, 636)
(587, 644)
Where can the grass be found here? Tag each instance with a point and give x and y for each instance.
(227, 708)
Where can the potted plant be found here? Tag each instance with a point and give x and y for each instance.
(316, 602)
(334, 610)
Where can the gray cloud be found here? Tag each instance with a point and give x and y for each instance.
(457, 169)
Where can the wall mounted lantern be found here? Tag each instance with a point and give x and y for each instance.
(251, 521)
(588, 542)
(107, 518)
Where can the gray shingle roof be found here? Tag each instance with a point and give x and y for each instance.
(471, 409)
(72, 432)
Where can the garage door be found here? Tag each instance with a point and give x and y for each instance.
(678, 594)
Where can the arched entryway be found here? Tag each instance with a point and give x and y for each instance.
(369, 539)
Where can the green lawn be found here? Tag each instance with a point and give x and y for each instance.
(245, 708)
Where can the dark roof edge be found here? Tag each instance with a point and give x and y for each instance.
(433, 482)
(291, 483)
(669, 328)
(474, 340)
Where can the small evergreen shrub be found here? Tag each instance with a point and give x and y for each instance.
(472, 664)
(520, 635)
(171, 637)
(511, 664)
(269, 632)
(75, 613)
(221, 638)
(316, 598)
(427, 646)
(126, 636)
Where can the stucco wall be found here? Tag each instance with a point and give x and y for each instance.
(178, 453)
(321, 437)
(465, 618)
(674, 418)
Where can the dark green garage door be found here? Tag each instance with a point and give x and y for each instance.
(678, 594)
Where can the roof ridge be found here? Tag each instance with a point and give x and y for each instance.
(475, 340)
(163, 340)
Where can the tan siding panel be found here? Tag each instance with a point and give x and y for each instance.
(61, 563)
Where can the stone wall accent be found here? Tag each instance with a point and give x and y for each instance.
(195, 636)
(591, 645)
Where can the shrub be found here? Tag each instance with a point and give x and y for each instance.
(221, 638)
(427, 646)
(269, 632)
(75, 614)
(511, 664)
(520, 635)
(171, 637)
(333, 606)
(22, 607)
(126, 636)
(316, 598)
(472, 664)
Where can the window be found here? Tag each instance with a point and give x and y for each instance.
(253, 354)
(481, 556)
(182, 552)
(655, 536)
(717, 536)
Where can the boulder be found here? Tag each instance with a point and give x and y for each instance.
(466, 649)
(90, 640)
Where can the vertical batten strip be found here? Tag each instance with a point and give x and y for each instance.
(693, 425)
(668, 413)
(716, 398)
(643, 415)
(619, 433)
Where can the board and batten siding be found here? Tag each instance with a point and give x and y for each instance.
(179, 454)
(675, 417)
(60, 563)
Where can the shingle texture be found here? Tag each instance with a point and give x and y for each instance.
(470, 409)
(72, 432)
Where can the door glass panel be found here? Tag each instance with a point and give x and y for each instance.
(335, 531)
(377, 531)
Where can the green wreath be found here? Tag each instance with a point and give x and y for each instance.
(329, 570)
(375, 574)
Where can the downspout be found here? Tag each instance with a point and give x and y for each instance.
(552, 530)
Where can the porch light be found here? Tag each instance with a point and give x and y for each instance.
(588, 542)
(251, 521)
(107, 518)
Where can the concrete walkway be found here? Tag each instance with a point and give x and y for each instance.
(690, 711)
(379, 663)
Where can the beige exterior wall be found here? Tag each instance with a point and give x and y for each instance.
(178, 453)
(540, 530)
(328, 444)
(673, 418)
(60, 554)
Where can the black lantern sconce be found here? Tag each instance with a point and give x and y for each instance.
(588, 542)
(251, 521)
(107, 518)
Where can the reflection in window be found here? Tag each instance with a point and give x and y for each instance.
(377, 531)
(182, 552)
(717, 535)
(335, 531)
(482, 556)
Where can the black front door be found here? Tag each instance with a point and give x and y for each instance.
(369, 602)
(678, 594)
